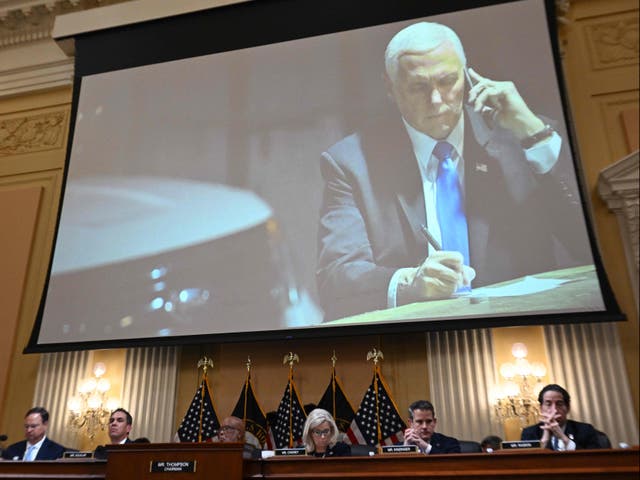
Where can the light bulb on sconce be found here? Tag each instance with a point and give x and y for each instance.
(516, 396)
(89, 410)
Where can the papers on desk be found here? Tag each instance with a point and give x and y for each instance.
(525, 286)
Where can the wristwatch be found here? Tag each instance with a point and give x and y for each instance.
(543, 134)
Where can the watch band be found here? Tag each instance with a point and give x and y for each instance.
(543, 134)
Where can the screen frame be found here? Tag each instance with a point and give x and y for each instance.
(183, 36)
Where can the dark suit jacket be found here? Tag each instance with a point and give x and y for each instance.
(442, 444)
(373, 206)
(583, 434)
(49, 450)
(340, 449)
(101, 452)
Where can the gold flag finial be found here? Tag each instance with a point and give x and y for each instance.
(334, 359)
(376, 355)
(248, 364)
(290, 358)
(205, 363)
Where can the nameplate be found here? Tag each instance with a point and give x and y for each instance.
(400, 449)
(77, 455)
(173, 466)
(287, 452)
(521, 444)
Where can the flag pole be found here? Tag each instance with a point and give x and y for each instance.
(290, 358)
(334, 359)
(204, 363)
(376, 355)
(246, 390)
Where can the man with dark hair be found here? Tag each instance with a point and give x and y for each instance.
(120, 423)
(36, 445)
(421, 432)
(491, 443)
(554, 430)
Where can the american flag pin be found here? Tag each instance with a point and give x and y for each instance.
(482, 167)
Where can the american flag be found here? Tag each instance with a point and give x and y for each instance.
(364, 427)
(250, 411)
(335, 402)
(290, 418)
(201, 421)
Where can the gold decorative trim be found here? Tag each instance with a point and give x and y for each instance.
(33, 22)
(35, 133)
(613, 43)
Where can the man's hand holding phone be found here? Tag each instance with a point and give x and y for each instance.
(510, 109)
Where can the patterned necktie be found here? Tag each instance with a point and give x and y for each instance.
(450, 203)
(28, 456)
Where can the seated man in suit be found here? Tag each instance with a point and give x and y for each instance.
(421, 432)
(36, 445)
(120, 423)
(426, 199)
(554, 430)
(231, 431)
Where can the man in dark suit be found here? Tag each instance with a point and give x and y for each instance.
(382, 185)
(36, 445)
(555, 431)
(421, 432)
(120, 423)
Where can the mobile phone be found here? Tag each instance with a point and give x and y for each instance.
(488, 113)
(483, 122)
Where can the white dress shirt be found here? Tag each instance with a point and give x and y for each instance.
(30, 455)
(541, 157)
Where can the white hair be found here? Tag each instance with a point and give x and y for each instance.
(315, 418)
(420, 37)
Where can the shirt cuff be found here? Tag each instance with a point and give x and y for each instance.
(544, 155)
(400, 276)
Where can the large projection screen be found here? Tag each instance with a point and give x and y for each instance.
(256, 179)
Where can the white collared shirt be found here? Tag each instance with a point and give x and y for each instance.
(36, 449)
(560, 445)
(541, 157)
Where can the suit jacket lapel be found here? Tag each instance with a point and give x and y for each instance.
(405, 178)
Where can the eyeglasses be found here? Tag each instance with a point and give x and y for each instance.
(227, 428)
(321, 433)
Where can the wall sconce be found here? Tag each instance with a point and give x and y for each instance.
(90, 409)
(517, 396)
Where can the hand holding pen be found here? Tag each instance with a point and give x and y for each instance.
(440, 275)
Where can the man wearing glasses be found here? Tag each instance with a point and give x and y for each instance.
(231, 430)
(36, 445)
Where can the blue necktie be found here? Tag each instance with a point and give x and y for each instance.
(28, 456)
(450, 203)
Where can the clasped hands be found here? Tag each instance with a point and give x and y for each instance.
(411, 437)
(551, 428)
(438, 277)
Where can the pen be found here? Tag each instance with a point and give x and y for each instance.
(430, 238)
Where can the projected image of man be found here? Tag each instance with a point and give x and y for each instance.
(462, 160)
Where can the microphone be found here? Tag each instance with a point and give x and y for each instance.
(3, 438)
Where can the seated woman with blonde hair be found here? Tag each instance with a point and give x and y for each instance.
(320, 436)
